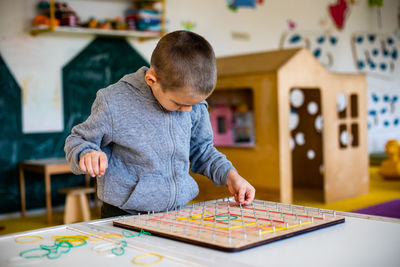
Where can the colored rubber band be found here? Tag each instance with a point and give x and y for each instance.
(230, 217)
(135, 260)
(72, 241)
(19, 241)
(129, 234)
(119, 250)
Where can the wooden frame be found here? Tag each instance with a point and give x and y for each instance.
(226, 226)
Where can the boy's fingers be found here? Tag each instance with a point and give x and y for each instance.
(250, 193)
(82, 165)
(103, 163)
(241, 194)
(88, 163)
(95, 163)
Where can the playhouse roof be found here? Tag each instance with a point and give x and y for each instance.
(255, 63)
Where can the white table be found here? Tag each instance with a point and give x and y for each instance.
(365, 241)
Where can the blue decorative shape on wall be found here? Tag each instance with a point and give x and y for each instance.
(375, 98)
(386, 98)
(385, 52)
(321, 40)
(359, 39)
(333, 40)
(371, 38)
(386, 123)
(371, 64)
(394, 54)
(317, 52)
(295, 39)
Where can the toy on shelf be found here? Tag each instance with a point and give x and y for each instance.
(144, 16)
(390, 168)
(43, 20)
(145, 19)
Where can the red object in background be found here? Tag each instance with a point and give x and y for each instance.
(338, 13)
(292, 24)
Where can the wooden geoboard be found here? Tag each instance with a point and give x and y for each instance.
(223, 225)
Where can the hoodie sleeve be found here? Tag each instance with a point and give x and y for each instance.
(204, 157)
(90, 135)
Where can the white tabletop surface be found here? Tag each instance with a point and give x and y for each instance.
(357, 242)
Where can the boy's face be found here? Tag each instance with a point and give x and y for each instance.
(180, 100)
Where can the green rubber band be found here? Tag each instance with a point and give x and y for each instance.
(232, 217)
(22, 254)
(53, 251)
(119, 249)
(61, 240)
(129, 234)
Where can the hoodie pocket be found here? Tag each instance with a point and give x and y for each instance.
(152, 193)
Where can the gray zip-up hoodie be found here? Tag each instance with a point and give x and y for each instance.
(148, 148)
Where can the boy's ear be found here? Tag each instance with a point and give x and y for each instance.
(150, 77)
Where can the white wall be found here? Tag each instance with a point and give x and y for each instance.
(36, 62)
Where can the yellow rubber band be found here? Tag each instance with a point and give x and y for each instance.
(195, 216)
(70, 236)
(17, 239)
(75, 241)
(134, 261)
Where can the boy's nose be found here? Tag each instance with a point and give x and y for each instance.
(186, 109)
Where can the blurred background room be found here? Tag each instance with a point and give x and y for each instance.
(306, 104)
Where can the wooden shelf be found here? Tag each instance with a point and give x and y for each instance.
(141, 35)
(98, 32)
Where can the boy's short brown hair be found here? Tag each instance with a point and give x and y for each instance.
(183, 59)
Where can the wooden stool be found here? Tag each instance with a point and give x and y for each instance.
(76, 204)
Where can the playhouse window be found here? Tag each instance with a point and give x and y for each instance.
(354, 105)
(221, 124)
(347, 138)
(341, 105)
(232, 119)
(343, 136)
(354, 134)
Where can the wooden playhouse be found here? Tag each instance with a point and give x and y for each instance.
(294, 125)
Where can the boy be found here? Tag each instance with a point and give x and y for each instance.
(144, 130)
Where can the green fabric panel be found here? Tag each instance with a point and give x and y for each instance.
(102, 62)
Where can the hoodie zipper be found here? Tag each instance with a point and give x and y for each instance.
(171, 167)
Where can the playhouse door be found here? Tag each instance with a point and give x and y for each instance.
(306, 143)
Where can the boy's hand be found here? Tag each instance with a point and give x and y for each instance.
(94, 163)
(242, 190)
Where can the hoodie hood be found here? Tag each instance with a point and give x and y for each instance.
(139, 85)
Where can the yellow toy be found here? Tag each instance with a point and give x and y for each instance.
(390, 168)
